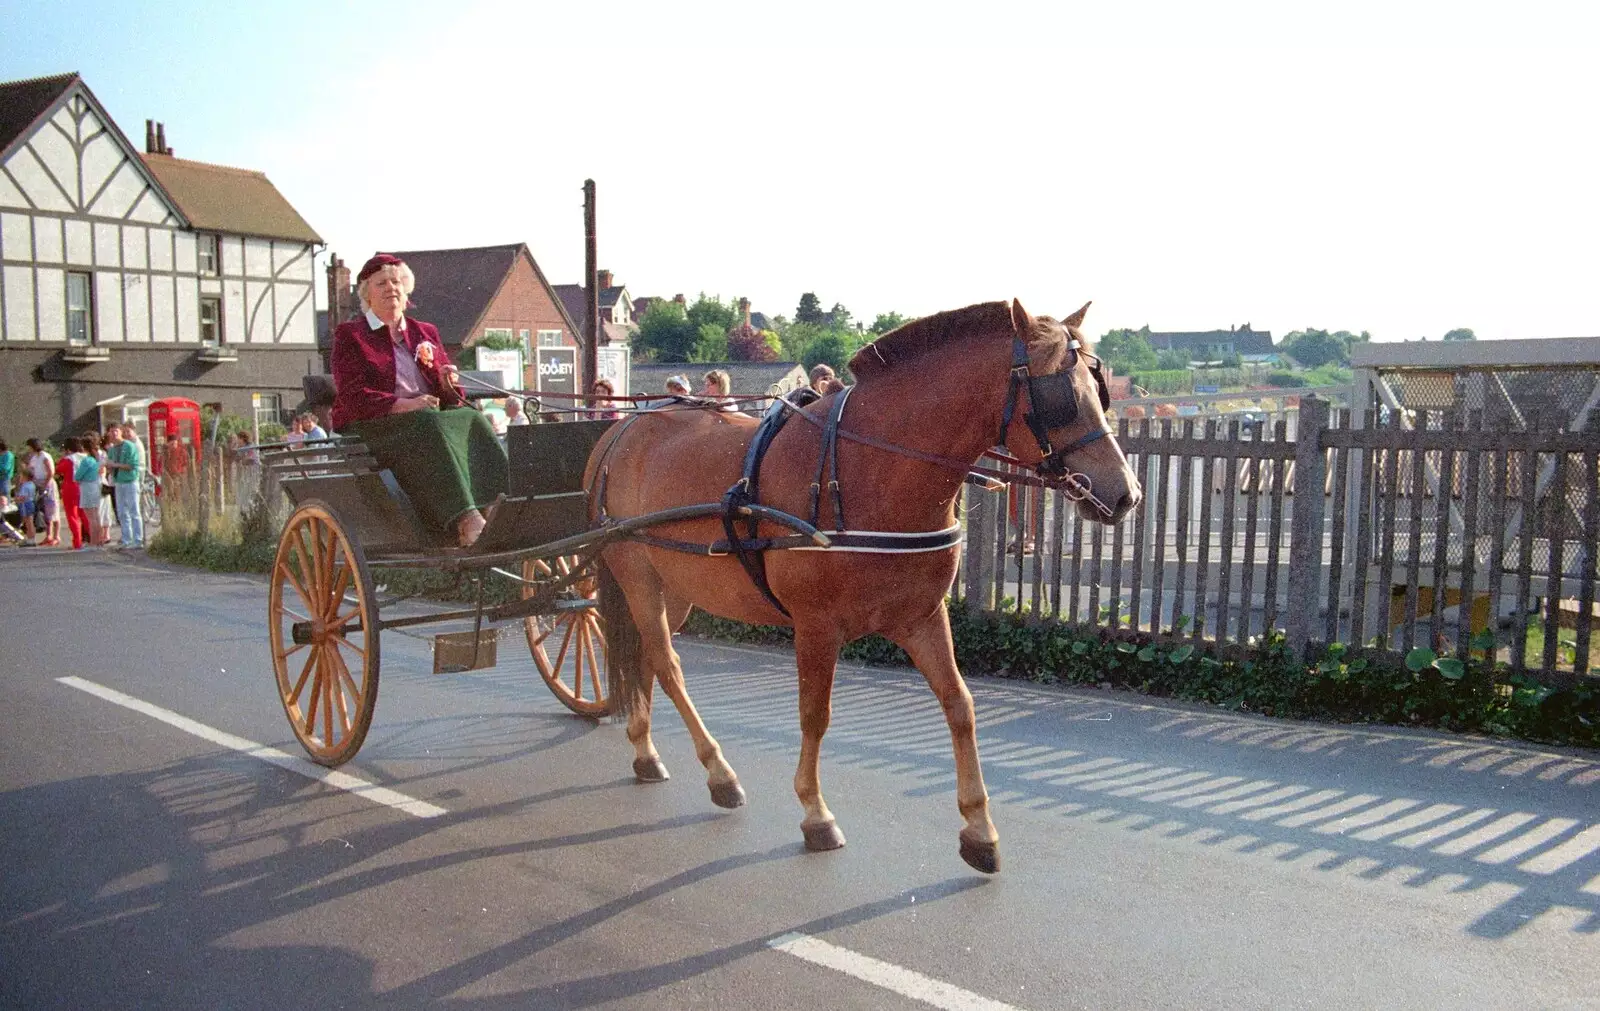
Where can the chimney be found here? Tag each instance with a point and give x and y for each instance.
(339, 302)
(744, 310)
(603, 279)
(161, 139)
(679, 299)
(149, 136)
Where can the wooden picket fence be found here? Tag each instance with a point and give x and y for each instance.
(1386, 530)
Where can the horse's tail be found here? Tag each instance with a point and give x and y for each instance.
(622, 644)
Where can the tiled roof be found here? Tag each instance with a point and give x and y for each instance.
(1245, 341)
(572, 296)
(572, 299)
(217, 198)
(23, 102)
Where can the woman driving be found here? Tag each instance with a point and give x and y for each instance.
(395, 387)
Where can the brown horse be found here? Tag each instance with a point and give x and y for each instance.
(929, 400)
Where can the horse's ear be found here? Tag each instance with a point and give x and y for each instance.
(1076, 319)
(1020, 320)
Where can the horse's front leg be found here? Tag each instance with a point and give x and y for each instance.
(928, 643)
(816, 653)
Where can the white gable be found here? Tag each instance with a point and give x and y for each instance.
(75, 163)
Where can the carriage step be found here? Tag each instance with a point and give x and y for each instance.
(459, 652)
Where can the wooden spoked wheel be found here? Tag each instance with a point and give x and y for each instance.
(322, 620)
(569, 644)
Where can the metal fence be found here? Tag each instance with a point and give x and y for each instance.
(1389, 529)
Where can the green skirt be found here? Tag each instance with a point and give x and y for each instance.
(449, 461)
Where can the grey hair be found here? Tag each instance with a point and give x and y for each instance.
(408, 283)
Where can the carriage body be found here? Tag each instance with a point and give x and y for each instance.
(351, 520)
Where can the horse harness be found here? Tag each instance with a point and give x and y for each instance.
(1053, 404)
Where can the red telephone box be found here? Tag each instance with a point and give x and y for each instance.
(173, 416)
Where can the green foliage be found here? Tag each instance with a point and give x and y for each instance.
(666, 333)
(227, 424)
(1461, 334)
(1127, 351)
(1426, 690)
(887, 321)
(1331, 374)
(1312, 347)
(810, 310)
(1173, 359)
(1165, 382)
(272, 432)
(710, 310)
(839, 316)
(831, 348)
(711, 345)
(1287, 380)
(498, 342)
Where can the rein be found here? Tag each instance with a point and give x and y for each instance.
(1075, 486)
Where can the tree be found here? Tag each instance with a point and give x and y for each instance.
(710, 309)
(1312, 347)
(810, 310)
(1127, 351)
(1461, 334)
(830, 348)
(887, 321)
(665, 332)
(711, 344)
(747, 344)
(1173, 358)
(839, 316)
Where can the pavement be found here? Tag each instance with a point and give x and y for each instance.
(164, 846)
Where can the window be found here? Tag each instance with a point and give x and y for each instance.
(80, 309)
(497, 333)
(208, 254)
(522, 342)
(549, 338)
(210, 319)
(268, 408)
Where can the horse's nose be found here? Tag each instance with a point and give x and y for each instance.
(1126, 504)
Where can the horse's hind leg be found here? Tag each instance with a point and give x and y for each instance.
(816, 654)
(930, 649)
(720, 777)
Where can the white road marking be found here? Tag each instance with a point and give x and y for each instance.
(885, 974)
(272, 756)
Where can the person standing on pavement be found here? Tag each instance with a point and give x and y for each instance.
(66, 479)
(8, 468)
(125, 461)
(90, 498)
(47, 514)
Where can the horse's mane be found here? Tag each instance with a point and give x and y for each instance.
(930, 332)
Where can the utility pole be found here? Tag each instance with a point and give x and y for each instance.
(591, 290)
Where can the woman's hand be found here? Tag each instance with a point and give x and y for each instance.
(406, 404)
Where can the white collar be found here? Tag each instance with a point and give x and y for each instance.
(377, 324)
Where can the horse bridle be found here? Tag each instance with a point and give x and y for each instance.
(1052, 403)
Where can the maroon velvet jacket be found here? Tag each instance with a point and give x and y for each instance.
(363, 369)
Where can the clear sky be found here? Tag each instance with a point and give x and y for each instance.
(1398, 167)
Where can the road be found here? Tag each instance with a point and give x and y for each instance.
(1155, 855)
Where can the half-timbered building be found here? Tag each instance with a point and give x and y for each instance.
(139, 274)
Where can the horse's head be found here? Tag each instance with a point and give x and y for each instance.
(1055, 414)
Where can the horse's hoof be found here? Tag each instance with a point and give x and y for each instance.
(650, 770)
(823, 837)
(981, 856)
(727, 794)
